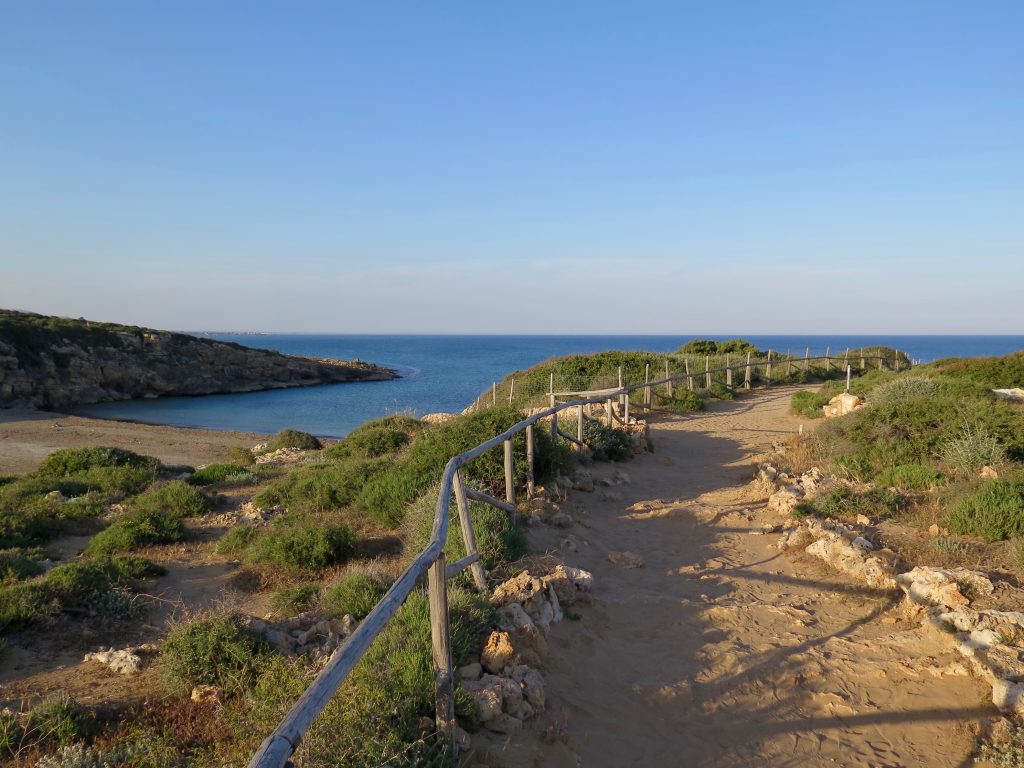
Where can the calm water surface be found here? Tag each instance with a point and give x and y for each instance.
(446, 373)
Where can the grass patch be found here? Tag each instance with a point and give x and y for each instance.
(294, 543)
(382, 437)
(223, 473)
(911, 477)
(878, 503)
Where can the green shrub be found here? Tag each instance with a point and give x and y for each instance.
(973, 448)
(912, 477)
(70, 461)
(994, 512)
(241, 456)
(17, 564)
(377, 438)
(217, 650)
(607, 443)
(293, 438)
(293, 600)
(297, 544)
(846, 503)
(127, 567)
(219, 473)
(683, 401)
(708, 347)
(236, 540)
(498, 539)
(322, 486)
(905, 388)
(137, 528)
(809, 404)
(989, 372)
(59, 722)
(176, 498)
(386, 496)
(354, 593)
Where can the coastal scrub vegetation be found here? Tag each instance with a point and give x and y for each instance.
(938, 437)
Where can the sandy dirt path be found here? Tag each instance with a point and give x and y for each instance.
(721, 651)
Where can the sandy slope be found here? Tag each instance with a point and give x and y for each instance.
(723, 652)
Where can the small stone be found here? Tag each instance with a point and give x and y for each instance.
(626, 559)
(498, 652)
(933, 530)
(206, 694)
(863, 520)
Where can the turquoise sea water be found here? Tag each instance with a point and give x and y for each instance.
(446, 373)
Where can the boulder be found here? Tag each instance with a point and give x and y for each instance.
(124, 662)
(927, 585)
(840, 405)
(532, 683)
(498, 652)
(486, 698)
(571, 585)
(785, 500)
(1008, 697)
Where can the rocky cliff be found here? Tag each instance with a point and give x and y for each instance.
(50, 362)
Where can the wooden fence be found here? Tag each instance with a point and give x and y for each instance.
(278, 747)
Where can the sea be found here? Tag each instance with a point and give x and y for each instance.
(447, 373)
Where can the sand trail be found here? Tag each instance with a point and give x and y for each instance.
(722, 651)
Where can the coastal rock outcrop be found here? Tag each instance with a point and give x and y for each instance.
(57, 363)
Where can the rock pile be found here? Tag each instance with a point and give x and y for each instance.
(845, 549)
(127, 661)
(308, 634)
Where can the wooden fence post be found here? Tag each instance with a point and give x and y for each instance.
(807, 359)
(846, 356)
(880, 359)
(689, 378)
(551, 390)
(647, 388)
(608, 406)
(444, 689)
(625, 413)
(554, 427)
(828, 358)
(728, 372)
(848, 374)
(747, 375)
(897, 361)
(510, 480)
(529, 461)
(668, 381)
(494, 393)
(579, 425)
(789, 363)
(511, 390)
(862, 363)
(468, 536)
(707, 371)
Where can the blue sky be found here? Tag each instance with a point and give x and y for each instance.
(805, 167)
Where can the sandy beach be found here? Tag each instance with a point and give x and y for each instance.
(27, 437)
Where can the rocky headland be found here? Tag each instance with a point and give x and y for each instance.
(56, 363)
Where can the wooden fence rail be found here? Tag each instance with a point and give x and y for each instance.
(278, 747)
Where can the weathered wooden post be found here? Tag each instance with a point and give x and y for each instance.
(707, 371)
(863, 365)
(728, 372)
(848, 374)
(807, 359)
(668, 381)
(466, 524)
(897, 361)
(846, 356)
(768, 369)
(529, 461)
(828, 359)
(579, 426)
(622, 399)
(647, 387)
(608, 408)
(444, 689)
(625, 413)
(881, 359)
(511, 391)
(789, 363)
(747, 374)
(551, 390)
(494, 393)
(689, 378)
(510, 482)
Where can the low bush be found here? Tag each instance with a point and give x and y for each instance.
(878, 503)
(607, 443)
(71, 461)
(808, 404)
(682, 401)
(322, 486)
(994, 512)
(176, 498)
(215, 650)
(137, 528)
(293, 438)
(293, 600)
(989, 372)
(236, 540)
(219, 473)
(498, 539)
(19, 563)
(971, 449)
(377, 438)
(912, 477)
(299, 544)
(354, 593)
(60, 722)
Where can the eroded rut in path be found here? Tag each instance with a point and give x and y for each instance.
(722, 651)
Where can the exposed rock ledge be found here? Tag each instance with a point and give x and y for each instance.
(56, 363)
